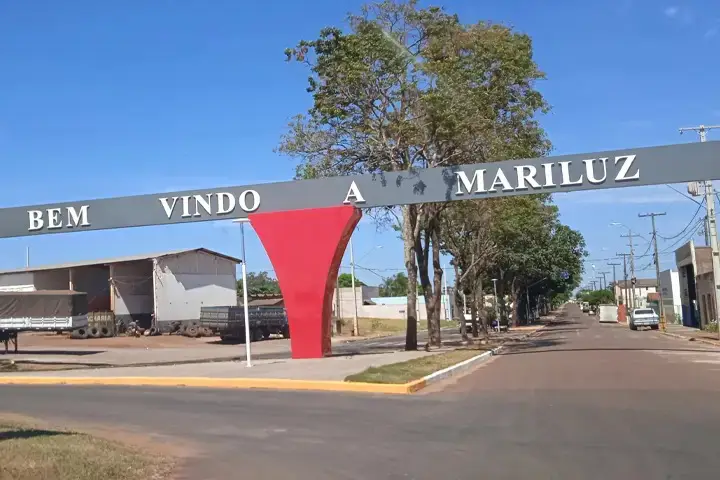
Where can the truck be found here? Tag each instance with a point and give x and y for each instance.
(41, 311)
(644, 317)
(229, 322)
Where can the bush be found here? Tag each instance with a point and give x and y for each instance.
(711, 327)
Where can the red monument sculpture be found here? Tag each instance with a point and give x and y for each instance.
(306, 248)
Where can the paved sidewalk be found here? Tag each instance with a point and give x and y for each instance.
(691, 334)
(334, 368)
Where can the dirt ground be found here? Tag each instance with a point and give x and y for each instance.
(32, 339)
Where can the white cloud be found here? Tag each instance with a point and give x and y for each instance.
(671, 12)
(677, 14)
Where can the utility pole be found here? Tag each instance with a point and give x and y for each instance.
(657, 265)
(711, 220)
(356, 327)
(604, 278)
(625, 278)
(614, 280)
(632, 269)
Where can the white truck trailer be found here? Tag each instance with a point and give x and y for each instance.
(41, 311)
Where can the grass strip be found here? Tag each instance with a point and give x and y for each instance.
(409, 370)
(29, 453)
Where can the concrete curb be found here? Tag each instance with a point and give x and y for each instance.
(264, 383)
(701, 340)
(225, 383)
(451, 371)
(461, 367)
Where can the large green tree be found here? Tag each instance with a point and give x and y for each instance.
(394, 286)
(259, 283)
(345, 281)
(465, 234)
(409, 87)
(539, 255)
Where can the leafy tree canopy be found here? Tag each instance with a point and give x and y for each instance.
(259, 283)
(345, 281)
(394, 286)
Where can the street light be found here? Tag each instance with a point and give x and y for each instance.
(246, 313)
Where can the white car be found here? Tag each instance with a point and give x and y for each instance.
(644, 317)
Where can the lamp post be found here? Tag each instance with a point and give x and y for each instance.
(246, 313)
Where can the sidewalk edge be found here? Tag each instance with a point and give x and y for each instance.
(203, 382)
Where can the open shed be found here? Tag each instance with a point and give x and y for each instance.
(151, 289)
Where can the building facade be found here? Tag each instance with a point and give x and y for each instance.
(642, 288)
(694, 266)
(156, 289)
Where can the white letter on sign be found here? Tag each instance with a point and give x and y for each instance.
(242, 200)
(354, 192)
(623, 174)
(464, 182)
(78, 219)
(36, 220)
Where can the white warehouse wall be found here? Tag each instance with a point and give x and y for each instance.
(188, 281)
(133, 291)
(17, 282)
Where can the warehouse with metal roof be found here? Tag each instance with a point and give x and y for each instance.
(151, 289)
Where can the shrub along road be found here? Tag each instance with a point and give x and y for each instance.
(582, 400)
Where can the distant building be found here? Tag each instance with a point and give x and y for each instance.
(371, 305)
(642, 287)
(158, 288)
(697, 294)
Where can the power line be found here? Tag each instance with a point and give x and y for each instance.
(700, 204)
(681, 193)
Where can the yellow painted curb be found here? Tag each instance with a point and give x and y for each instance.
(238, 383)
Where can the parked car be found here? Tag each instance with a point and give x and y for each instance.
(644, 317)
(585, 307)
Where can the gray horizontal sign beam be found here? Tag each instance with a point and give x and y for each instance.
(565, 173)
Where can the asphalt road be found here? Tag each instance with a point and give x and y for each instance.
(582, 401)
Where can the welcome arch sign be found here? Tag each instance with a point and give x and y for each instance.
(288, 215)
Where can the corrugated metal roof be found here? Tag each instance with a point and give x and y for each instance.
(108, 261)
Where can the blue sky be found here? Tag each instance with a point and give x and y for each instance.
(103, 99)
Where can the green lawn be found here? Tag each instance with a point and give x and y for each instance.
(404, 372)
(28, 453)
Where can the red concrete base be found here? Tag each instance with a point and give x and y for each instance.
(305, 248)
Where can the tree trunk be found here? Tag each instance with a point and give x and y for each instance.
(455, 306)
(501, 297)
(409, 213)
(515, 299)
(422, 249)
(480, 301)
(474, 315)
(434, 331)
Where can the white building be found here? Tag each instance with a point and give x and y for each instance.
(642, 287)
(371, 305)
(670, 290)
(167, 287)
